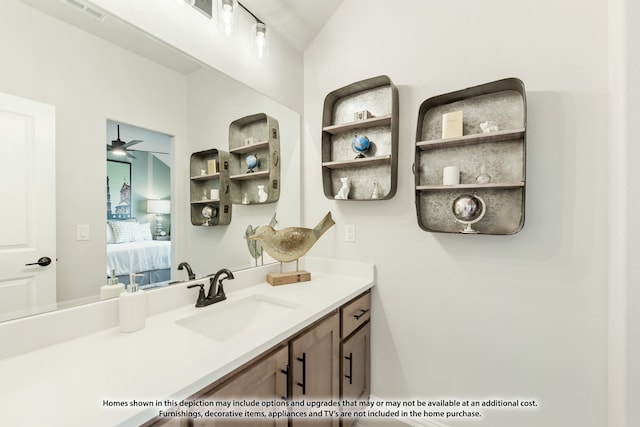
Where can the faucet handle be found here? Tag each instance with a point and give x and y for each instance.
(201, 297)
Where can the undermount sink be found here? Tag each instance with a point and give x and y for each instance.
(225, 320)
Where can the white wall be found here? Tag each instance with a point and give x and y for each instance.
(625, 290)
(482, 316)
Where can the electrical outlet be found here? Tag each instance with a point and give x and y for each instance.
(349, 233)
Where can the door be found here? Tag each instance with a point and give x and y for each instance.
(28, 214)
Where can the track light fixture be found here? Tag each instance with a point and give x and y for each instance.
(261, 46)
(226, 20)
(226, 16)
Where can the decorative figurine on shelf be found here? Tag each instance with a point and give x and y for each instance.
(343, 192)
(245, 199)
(254, 246)
(489, 126)
(469, 210)
(262, 195)
(289, 244)
(360, 145)
(375, 194)
(252, 162)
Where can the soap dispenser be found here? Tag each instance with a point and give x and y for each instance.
(113, 288)
(133, 306)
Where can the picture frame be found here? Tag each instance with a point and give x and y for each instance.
(118, 190)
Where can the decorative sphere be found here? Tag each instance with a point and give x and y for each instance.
(467, 208)
(361, 144)
(208, 212)
(251, 161)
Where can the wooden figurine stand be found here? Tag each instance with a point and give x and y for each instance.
(276, 279)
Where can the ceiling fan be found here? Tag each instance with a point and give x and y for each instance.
(121, 148)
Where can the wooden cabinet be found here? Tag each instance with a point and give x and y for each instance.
(170, 422)
(209, 170)
(265, 379)
(355, 368)
(491, 164)
(315, 366)
(366, 108)
(256, 136)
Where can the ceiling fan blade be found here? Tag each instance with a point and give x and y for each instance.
(132, 142)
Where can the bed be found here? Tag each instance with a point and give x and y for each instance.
(131, 249)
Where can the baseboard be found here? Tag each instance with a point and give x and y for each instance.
(414, 422)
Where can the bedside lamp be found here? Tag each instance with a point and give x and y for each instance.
(158, 207)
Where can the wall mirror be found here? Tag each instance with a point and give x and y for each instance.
(93, 70)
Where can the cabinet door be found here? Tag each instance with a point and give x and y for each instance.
(262, 380)
(355, 367)
(315, 367)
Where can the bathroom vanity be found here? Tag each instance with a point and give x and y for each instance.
(317, 332)
(327, 360)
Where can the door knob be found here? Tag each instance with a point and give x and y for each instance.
(42, 262)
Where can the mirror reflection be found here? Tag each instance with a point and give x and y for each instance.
(138, 207)
(90, 72)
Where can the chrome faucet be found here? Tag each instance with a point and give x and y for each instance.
(186, 265)
(216, 293)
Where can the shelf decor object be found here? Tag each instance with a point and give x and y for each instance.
(363, 118)
(254, 147)
(209, 188)
(490, 155)
(289, 244)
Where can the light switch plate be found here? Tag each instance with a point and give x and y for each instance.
(82, 232)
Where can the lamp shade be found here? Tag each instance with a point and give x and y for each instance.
(158, 206)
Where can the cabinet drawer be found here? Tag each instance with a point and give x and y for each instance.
(355, 313)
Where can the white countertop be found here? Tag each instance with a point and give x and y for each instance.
(65, 384)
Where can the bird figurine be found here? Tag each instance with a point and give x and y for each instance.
(255, 248)
(291, 243)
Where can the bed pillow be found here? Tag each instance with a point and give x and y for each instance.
(145, 231)
(110, 238)
(124, 232)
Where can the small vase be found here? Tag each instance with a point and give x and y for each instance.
(483, 177)
(375, 194)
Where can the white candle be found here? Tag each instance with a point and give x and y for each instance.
(451, 175)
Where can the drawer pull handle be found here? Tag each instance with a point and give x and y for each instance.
(362, 313)
(350, 376)
(303, 384)
(286, 373)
